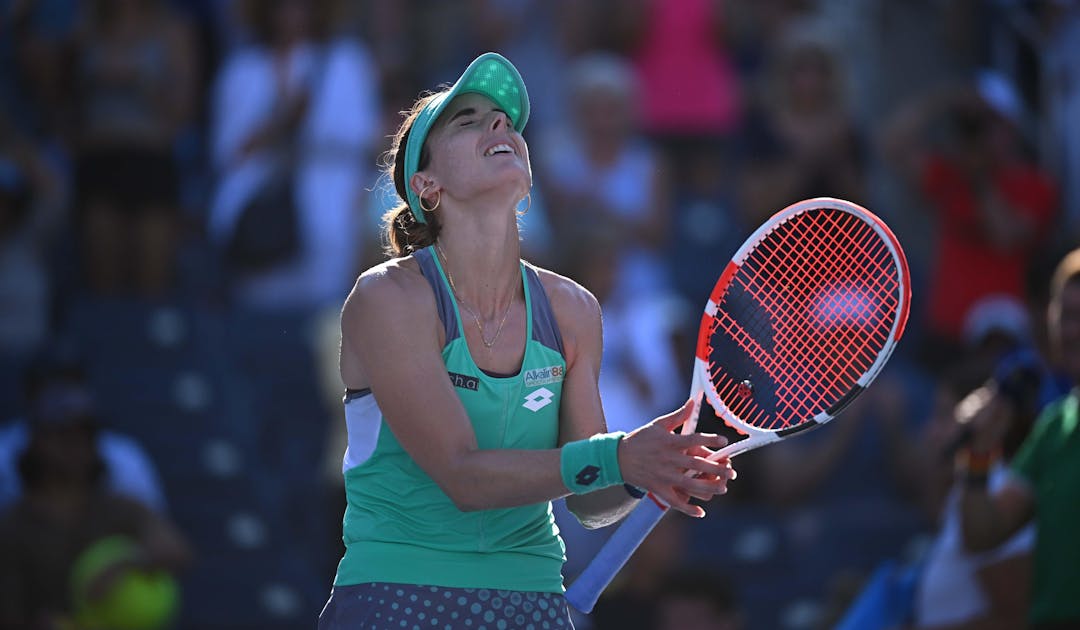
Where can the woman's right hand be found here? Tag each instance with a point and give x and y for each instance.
(657, 459)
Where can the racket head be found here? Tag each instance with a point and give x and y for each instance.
(803, 318)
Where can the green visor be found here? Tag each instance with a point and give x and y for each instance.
(491, 75)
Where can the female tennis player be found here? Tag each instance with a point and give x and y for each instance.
(472, 396)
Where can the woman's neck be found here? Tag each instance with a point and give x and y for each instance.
(483, 259)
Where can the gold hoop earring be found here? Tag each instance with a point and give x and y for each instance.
(528, 205)
(420, 200)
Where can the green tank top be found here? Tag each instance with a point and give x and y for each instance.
(400, 527)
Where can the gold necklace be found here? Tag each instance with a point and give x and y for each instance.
(476, 318)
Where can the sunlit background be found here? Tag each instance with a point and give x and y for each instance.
(189, 188)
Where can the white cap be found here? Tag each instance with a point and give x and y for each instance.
(997, 313)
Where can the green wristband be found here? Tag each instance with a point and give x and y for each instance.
(592, 464)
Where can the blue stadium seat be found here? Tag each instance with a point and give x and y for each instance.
(273, 590)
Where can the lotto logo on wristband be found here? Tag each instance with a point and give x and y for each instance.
(587, 476)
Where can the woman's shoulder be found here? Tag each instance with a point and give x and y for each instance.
(567, 297)
(395, 274)
(393, 284)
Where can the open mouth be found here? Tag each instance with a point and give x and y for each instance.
(500, 148)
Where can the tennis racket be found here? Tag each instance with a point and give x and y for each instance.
(800, 322)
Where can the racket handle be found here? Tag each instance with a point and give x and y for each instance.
(587, 588)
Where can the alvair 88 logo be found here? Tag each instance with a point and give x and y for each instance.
(544, 375)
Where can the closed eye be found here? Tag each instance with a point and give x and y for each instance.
(463, 116)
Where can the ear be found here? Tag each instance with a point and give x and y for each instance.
(419, 181)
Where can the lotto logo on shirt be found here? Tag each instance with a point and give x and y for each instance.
(538, 399)
(544, 376)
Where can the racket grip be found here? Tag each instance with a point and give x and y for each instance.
(587, 588)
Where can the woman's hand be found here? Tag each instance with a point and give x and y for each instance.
(657, 459)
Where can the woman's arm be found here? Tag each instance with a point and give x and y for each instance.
(582, 415)
(389, 323)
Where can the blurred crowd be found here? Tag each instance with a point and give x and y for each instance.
(188, 189)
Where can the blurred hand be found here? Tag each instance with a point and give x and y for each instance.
(986, 416)
(674, 467)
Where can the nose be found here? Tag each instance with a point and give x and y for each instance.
(499, 120)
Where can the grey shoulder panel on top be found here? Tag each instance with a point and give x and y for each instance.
(545, 328)
(443, 300)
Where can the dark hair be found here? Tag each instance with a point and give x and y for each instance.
(33, 468)
(403, 234)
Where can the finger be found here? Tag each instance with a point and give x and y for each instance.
(731, 474)
(704, 490)
(681, 501)
(702, 465)
(694, 440)
(675, 419)
(706, 453)
(703, 496)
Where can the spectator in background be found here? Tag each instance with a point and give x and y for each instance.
(601, 172)
(639, 372)
(800, 139)
(31, 204)
(992, 204)
(994, 326)
(134, 92)
(127, 469)
(35, 44)
(295, 115)
(707, 227)
(67, 508)
(697, 599)
(1045, 479)
(689, 90)
(979, 590)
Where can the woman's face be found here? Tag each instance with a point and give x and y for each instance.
(475, 150)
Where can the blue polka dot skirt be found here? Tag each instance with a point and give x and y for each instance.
(383, 606)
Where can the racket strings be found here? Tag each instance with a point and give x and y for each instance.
(823, 291)
(846, 301)
(843, 240)
(798, 330)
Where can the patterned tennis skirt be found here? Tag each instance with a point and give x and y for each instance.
(384, 606)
